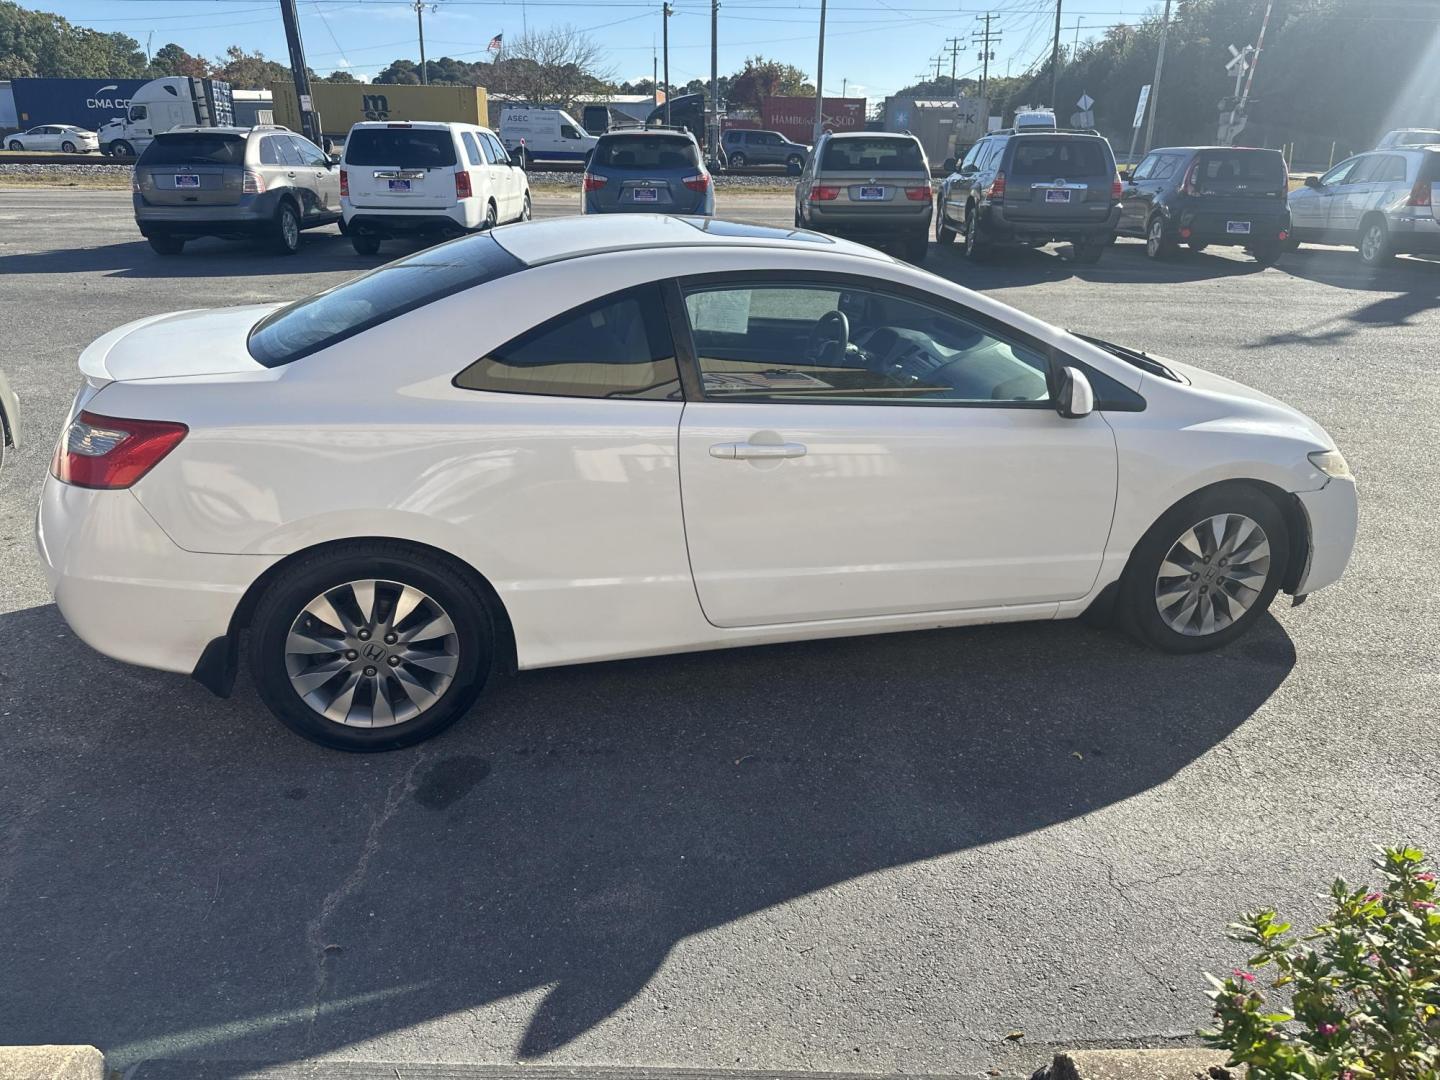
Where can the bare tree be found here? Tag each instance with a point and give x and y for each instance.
(554, 66)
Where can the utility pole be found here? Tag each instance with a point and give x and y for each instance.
(1055, 61)
(985, 38)
(938, 59)
(654, 73)
(665, 12)
(1076, 51)
(309, 118)
(844, 85)
(420, 22)
(1155, 83)
(954, 44)
(712, 129)
(820, 79)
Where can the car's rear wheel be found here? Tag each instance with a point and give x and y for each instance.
(285, 236)
(737, 161)
(1205, 571)
(364, 244)
(944, 234)
(1087, 252)
(373, 647)
(526, 211)
(490, 216)
(916, 245)
(794, 163)
(1375, 246)
(1159, 244)
(1196, 246)
(976, 245)
(1267, 254)
(166, 245)
(68, 146)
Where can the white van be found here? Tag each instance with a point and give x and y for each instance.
(426, 177)
(544, 135)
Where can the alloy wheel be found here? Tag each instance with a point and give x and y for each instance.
(372, 653)
(1213, 574)
(1373, 242)
(290, 229)
(1155, 238)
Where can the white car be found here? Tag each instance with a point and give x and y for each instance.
(62, 137)
(619, 436)
(427, 179)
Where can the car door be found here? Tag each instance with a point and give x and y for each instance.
(1346, 204)
(321, 179)
(505, 178)
(1309, 206)
(957, 186)
(1132, 204)
(920, 468)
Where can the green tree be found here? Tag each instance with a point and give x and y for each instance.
(39, 44)
(338, 77)
(249, 71)
(761, 78)
(171, 59)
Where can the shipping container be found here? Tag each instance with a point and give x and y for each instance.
(946, 127)
(342, 104)
(794, 117)
(86, 103)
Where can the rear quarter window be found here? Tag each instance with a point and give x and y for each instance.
(327, 318)
(859, 155)
(1052, 158)
(646, 152)
(402, 148)
(195, 149)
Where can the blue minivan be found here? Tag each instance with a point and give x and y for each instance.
(647, 171)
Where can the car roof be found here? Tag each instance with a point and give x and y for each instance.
(230, 129)
(1193, 149)
(870, 135)
(630, 133)
(402, 124)
(537, 242)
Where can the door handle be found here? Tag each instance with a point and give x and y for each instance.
(757, 451)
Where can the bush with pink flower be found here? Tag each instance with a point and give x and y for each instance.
(1361, 993)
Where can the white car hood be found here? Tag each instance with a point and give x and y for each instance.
(181, 343)
(1274, 409)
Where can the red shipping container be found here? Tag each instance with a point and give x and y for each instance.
(794, 117)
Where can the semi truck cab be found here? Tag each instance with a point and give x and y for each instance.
(162, 104)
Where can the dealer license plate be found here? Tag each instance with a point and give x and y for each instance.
(187, 180)
(1241, 227)
(647, 194)
(872, 193)
(399, 185)
(1057, 195)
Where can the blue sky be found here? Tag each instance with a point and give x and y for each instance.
(872, 46)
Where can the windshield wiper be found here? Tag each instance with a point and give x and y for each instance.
(1144, 361)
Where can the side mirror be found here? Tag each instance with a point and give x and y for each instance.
(1127, 175)
(1076, 399)
(333, 159)
(1314, 182)
(969, 170)
(949, 165)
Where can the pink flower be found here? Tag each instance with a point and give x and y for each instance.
(1247, 976)
(1421, 905)
(1427, 876)
(1326, 1029)
(1372, 897)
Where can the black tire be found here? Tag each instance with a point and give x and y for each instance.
(344, 229)
(527, 211)
(1087, 252)
(1159, 244)
(16, 144)
(121, 149)
(491, 216)
(365, 244)
(285, 233)
(737, 161)
(944, 234)
(310, 576)
(793, 164)
(977, 247)
(1374, 244)
(1196, 246)
(799, 221)
(166, 245)
(915, 246)
(68, 147)
(1290, 246)
(1137, 606)
(1268, 254)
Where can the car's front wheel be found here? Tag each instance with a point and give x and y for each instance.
(1205, 571)
(1159, 244)
(16, 144)
(737, 161)
(373, 647)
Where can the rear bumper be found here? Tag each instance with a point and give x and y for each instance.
(453, 220)
(705, 208)
(252, 214)
(1002, 226)
(1333, 516)
(125, 588)
(1212, 227)
(870, 221)
(1414, 235)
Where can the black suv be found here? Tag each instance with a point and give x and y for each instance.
(1203, 195)
(1032, 187)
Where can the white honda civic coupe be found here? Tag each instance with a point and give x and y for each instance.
(609, 437)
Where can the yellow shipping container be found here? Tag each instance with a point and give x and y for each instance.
(343, 104)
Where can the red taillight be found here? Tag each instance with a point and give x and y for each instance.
(462, 185)
(1117, 190)
(1189, 186)
(1419, 194)
(819, 193)
(1185, 232)
(698, 182)
(106, 452)
(1284, 234)
(919, 194)
(344, 184)
(253, 184)
(997, 188)
(593, 182)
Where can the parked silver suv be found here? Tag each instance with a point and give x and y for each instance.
(1382, 202)
(871, 185)
(261, 182)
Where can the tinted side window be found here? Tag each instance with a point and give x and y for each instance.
(1391, 169)
(1341, 173)
(288, 154)
(992, 156)
(1146, 168)
(615, 347)
(472, 148)
(973, 155)
(310, 154)
(1364, 171)
(269, 150)
(1165, 167)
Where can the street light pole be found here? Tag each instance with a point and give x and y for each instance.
(1155, 83)
(1055, 61)
(820, 80)
(665, 12)
(712, 130)
(420, 22)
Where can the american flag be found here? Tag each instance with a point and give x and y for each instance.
(494, 45)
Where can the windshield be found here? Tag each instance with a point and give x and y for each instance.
(647, 152)
(1052, 158)
(871, 155)
(401, 148)
(195, 149)
(320, 321)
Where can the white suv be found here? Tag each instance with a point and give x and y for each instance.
(426, 178)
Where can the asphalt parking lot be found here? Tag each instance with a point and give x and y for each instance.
(868, 855)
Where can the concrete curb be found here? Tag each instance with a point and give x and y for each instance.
(1185, 1064)
(51, 1063)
